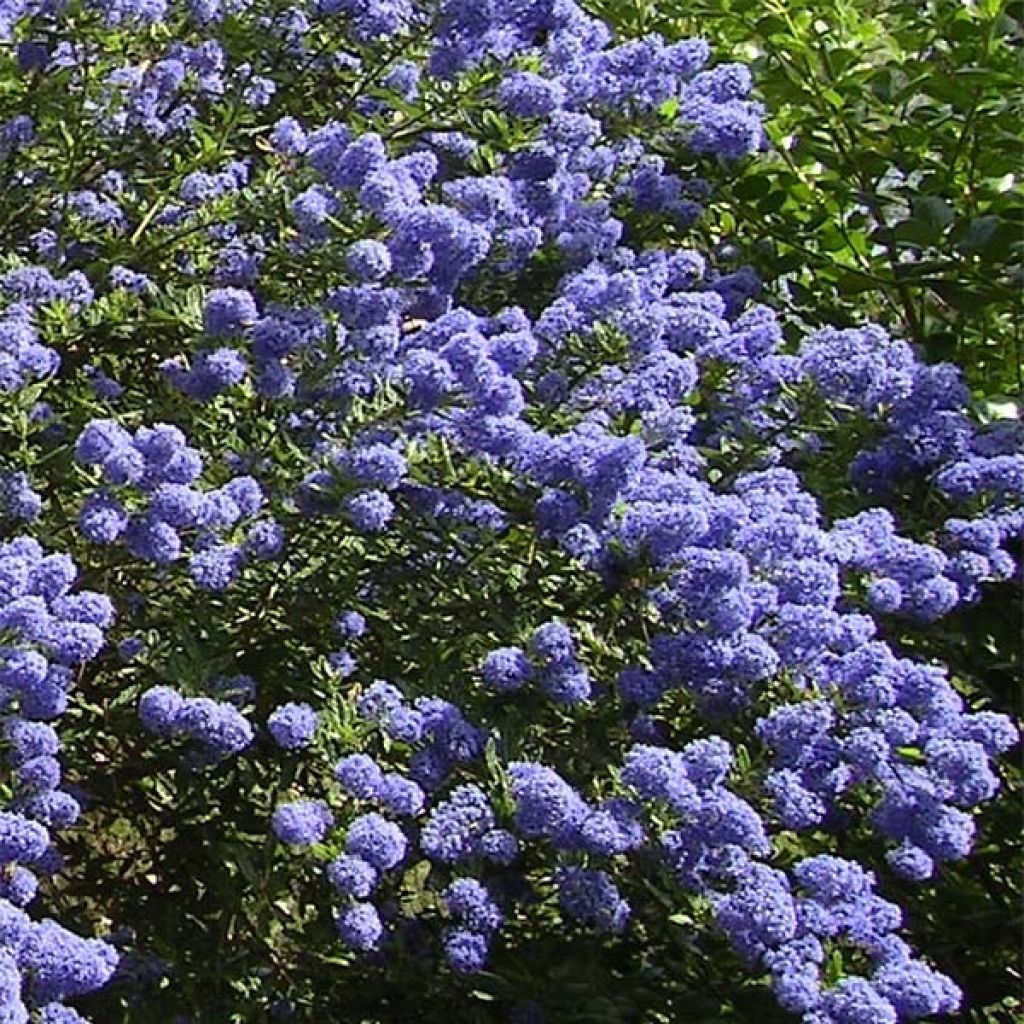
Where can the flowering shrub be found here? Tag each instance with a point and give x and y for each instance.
(444, 587)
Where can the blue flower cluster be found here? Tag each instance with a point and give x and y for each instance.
(217, 727)
(790, 926)
(48, 632)
(562, 676)
(151, 504)
(22, 357)
(293, 726)
(302, 823)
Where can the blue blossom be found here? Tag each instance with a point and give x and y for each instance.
(376, 840)
(352, 876)
(469, 901)
(58, 1013)
(17, 498)
(546, 805)
(530, 95)
(228, 311)
(640, 430)
(360, 775)
(370, 511)
(360, 926)
(343, 662)
(760, 913)
(457, 826)
(264, 539)
(350, 624)
(21, 840)
(215, 567)
(379, 699)
(63, 965)
(499, 846)
(465, 950)
(303, 822)
(20, 887)
(288, 136)
(591, 897)
(856, 1001)
(218, 726)
(212, 372)
(915, 990)
(506, 669)
(368, 260)
(29, 739)
(293, 725)
(400, 795)
(553, 642)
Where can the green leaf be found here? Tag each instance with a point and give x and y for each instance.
(979, 233)
(960, 298)
(913, 233)
(933, 211)
(851, 283)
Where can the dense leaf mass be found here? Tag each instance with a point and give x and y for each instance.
(429, 583)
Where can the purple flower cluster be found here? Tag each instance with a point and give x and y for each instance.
(23, 358)
(355, 484)
(150, 501)
(293, 726)
(218, 728)
(361, 777)
(442, 736)
(44, 964)
(49, 631)
(18, 500)
(562, 677)
(478, 918)
(791, 926)
(303, 822)
(749, 581)
(373, 847)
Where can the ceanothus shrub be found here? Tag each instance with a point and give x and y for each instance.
(429, 583)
